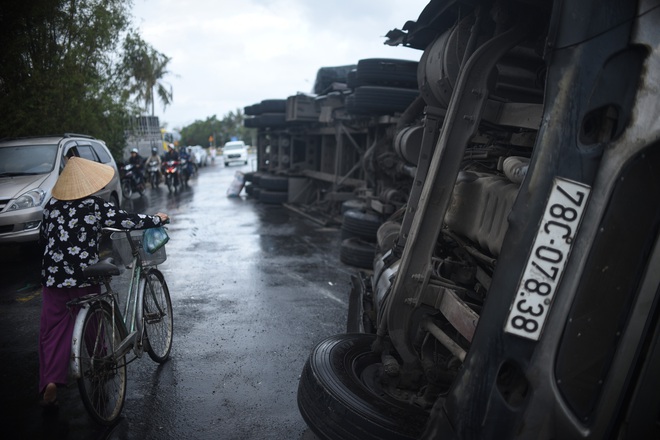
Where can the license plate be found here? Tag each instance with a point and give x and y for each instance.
(547, 260)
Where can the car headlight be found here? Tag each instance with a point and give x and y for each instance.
(30, 199)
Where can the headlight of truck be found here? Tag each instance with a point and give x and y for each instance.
(30, 199)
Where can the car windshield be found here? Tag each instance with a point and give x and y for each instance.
(234, 147)
(27, 159)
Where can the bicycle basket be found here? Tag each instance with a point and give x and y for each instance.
(124, 255)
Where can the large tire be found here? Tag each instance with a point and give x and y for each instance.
(357, 252)
(252, 110)
(274, 183)
(360, 224)
(358, 204)
(326, 76)
(273, 106)
(273, 197)
(387, 72)
(272, 120)
(377, 100)
(339, 397)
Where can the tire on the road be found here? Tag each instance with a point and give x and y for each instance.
(357, 223)
(273, 197)
(357, 252)
(339, 396)
(274, 183)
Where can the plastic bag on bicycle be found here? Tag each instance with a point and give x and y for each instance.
(154, 239)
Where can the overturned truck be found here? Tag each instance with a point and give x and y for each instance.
(514, 289)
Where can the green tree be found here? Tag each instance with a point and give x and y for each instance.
(57, 72)
(230, 126)
(145, 68)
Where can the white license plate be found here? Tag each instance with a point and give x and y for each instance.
(547, 260)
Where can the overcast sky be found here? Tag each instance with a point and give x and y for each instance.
(228, 54)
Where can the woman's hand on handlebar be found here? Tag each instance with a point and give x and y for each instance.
(164, 218)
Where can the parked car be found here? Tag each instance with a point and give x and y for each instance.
(29, 168)
(199, 155)
(235, 151)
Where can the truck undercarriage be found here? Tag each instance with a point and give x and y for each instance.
(514, 285)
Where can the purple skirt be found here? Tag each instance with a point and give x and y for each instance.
(57, 321)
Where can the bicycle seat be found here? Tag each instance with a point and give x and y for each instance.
(105, 267)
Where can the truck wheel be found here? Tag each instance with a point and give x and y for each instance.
(356, 223)
(339, 396)
(357, 252)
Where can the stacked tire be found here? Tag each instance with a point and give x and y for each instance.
(359, 232)
(267, 188)
(269, 113)
(382, 86)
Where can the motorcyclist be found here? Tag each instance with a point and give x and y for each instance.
(155, 157)
(138, 163)
(171, 154)
(187, 169)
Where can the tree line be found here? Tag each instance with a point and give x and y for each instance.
(215, 132)
(79, 66)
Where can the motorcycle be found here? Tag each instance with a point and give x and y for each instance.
(170, 170)
(131, 181)
(153, 173)
(186, 171)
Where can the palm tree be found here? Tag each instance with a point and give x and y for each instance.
(144, 69)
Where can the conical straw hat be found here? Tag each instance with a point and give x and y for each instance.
(81, 178)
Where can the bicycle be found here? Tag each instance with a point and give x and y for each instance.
(103, 336)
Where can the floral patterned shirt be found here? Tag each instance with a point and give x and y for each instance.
(72, 231)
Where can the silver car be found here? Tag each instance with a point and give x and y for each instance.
(29, 168)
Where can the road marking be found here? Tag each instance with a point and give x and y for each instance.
(29, 297)
(321, 290)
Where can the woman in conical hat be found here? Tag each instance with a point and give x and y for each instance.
(71, 232)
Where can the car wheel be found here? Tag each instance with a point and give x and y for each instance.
(114, 199)
(340, 397)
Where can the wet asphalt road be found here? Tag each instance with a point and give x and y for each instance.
(253, 286)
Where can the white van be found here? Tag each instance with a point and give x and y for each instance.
(235, 151)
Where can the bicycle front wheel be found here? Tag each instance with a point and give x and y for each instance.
(157, 316)
(102, 383)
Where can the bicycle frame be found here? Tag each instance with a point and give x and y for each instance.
(130, 323)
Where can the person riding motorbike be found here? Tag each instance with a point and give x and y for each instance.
(171, 154)
(155, 161)
(137, 161)
(187, 169)
(171, 179)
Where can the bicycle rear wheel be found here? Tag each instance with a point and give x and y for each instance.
(157, 316)
(102, 383)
